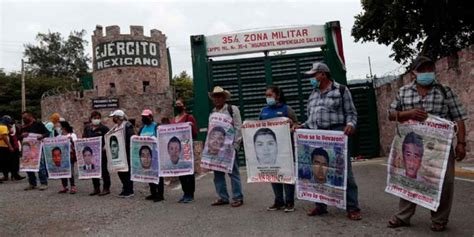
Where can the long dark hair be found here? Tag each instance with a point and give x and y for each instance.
(279, 92)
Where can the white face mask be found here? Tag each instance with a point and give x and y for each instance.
(95, 122)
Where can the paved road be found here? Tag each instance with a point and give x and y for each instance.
(46, 213)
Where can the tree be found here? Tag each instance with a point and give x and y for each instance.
(54, 56)
(183, 85)
(10, 98)
(435, 28)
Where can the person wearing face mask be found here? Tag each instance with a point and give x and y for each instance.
(30, 125)
(187, 181)
(415, 101)
(120, 120)
(149, 129)
(277, 107)
(330, 107)
(97, 129)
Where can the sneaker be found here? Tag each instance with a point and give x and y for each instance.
(95, 192)
(150, 197)
(18, 177)
(290, 208)
(73, 190)
(43, 187)
(30, 187)
(275, 207)
(63, 190)
(188, 200)
(181, 200)
(126, 195)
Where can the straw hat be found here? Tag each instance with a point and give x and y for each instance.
(219, 90)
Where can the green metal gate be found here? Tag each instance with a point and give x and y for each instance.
(248, 78)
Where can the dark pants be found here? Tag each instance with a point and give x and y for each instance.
(5, 161)
(71, 180)
(158, 190)
(188, 185)
(105, 175)
(284, 193)
(15, 164)
(127, 184)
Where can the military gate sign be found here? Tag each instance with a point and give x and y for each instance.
(272, 39)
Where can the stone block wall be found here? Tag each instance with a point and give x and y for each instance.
(460, 79)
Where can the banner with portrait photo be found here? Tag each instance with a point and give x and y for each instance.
(268, 152)
(418, 161)
(89, 157)
(144, 159)
(321, 161)
(57, 155)
(116, 150)
(176, 150)
(219, 152)
(31, 149)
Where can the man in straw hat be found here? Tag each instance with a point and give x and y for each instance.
(219, 96)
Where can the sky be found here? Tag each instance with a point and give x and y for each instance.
(21, 20)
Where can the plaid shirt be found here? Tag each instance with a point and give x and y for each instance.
(433, 103)
(328, 109)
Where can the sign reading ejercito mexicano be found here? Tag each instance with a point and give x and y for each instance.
(105, 103)
(124, 53)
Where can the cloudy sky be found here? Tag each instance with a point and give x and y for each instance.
(20, 21)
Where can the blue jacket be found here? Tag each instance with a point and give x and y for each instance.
(279, 110)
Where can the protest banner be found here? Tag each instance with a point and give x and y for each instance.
(321, 166)
(268, 152)
(144, 159)
(418, 160)
(219, 152)
(89, 157)
(57, 155)
(176, 150)
(116, 150)
(31, 149)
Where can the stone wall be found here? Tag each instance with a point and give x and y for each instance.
(460, 79)
(76, 110)
(129, 79)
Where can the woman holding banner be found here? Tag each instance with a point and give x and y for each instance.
(187, 181)
(277, 107)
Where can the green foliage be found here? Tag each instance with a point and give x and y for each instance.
(55, 56)
(10, 96)
(183, 85)
(435, 28)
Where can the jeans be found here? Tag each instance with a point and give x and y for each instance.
(105, 175)
(188, 184)
(221, 186)
(352, 202)
(42, 174)
(280, 198)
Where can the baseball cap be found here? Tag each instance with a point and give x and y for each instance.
(318, 67)
(118, 113)
(147, 112)
(420, 60)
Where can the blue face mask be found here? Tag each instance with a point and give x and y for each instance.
(425, 78)
(314, 83)
(271, 101)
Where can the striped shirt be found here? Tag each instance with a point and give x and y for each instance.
(444, 104)
(330, 109)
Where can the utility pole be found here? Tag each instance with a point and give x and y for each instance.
(23, 92)
(370, 68)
